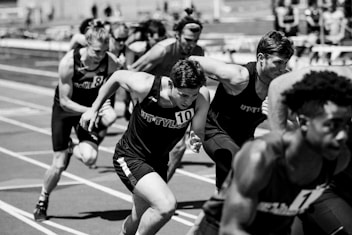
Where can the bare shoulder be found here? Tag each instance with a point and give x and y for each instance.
(204, 91)
(262, 152)
(253, 166)
(135, 81)
(66, 63)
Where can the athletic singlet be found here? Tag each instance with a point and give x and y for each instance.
(153, 130)
(86, 84)
(237, 115)
(280, 200)
(172, 55)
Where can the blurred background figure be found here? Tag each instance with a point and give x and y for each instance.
(145, 35)
(335, 23)
(288, 17)
(312, 17)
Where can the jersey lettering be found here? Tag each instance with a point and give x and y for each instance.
(299, 205)
(161, 121)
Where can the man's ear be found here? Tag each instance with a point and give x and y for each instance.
(260, 56)
(302, 122)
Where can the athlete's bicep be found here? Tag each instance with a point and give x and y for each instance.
(238, 211)
(149, 60)
(201, 111)
(66, 72)
(138, 84)
(250, 173)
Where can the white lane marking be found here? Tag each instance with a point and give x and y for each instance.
(29, 71)
(46, 63)
(195, 176)
(35, 153)
(194, 217)
(4, 188)
(89, 183)
(49, 92)
(47, 132)
(9, 209)
(21, 111)
(25, 103)
(28, 216)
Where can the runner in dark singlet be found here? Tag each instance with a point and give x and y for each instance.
(81, 74)
(279, 175)
(333, 210)
(164, 109)
(163, 56)
(235, 110)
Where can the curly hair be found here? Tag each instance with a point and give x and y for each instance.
(309, 95)
(187, 74)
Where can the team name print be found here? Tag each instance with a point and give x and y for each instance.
(299, 205)
(96, 82)
(182, 119)
(250, 109)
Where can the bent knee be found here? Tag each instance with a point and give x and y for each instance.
(89, 154)
(109, 117)
(89, 158)
(167, 207)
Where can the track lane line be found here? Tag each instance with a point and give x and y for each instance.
(9, 209)
(29, 218)
(102, 188)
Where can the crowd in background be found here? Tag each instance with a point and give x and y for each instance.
(328, 20)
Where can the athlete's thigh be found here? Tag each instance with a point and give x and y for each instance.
(61, 126)
(108, 116)
(139, 205)
(153, 189)
(220, 143)
(88, 149)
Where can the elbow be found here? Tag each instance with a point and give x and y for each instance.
(64, 104)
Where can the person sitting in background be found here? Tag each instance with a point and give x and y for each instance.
(288, 17)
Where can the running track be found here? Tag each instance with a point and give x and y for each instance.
(87, 201)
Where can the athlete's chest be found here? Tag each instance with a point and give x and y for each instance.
(156, 116)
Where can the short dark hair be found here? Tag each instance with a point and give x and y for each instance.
(188, 19)
(187, 74)
(275, 43)
(309, 95)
